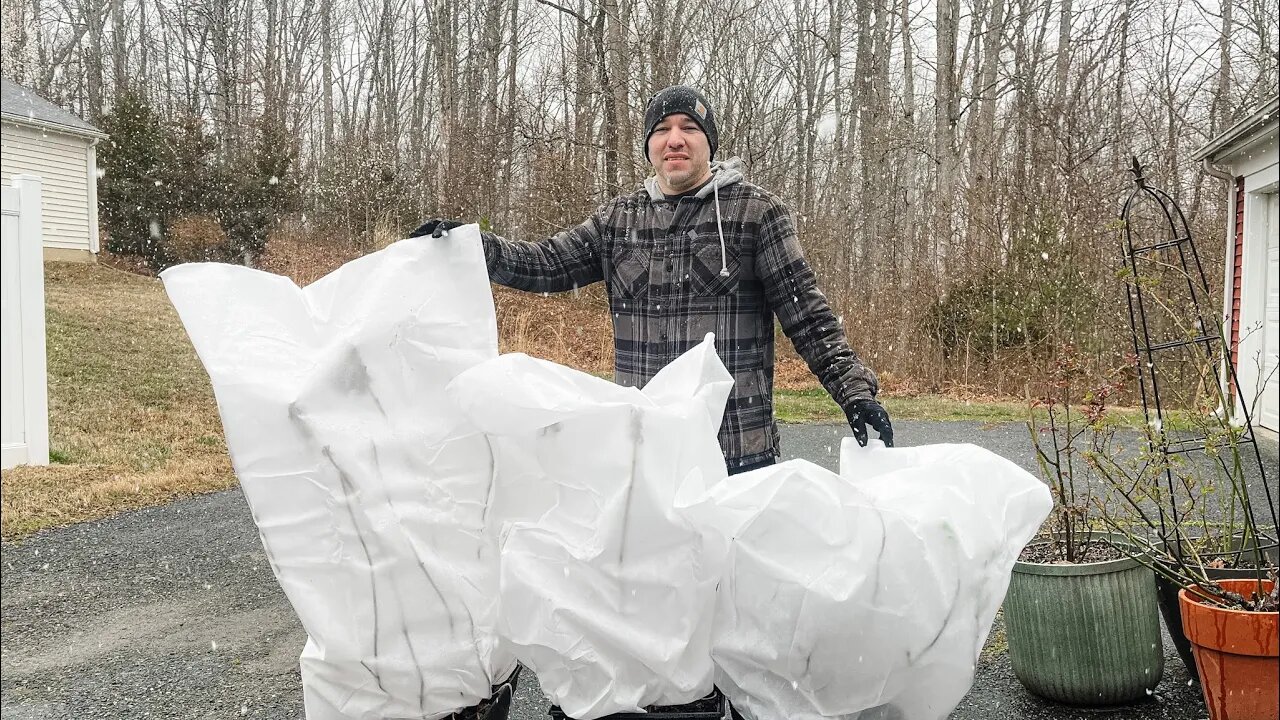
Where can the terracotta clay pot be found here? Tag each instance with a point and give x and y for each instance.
(1237, 655)
(1167, 591)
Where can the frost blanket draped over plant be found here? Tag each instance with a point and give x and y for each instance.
(387, 452)
(608, 597)
(369, 492)
(870, 594)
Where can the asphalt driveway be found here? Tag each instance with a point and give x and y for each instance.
(172, 612)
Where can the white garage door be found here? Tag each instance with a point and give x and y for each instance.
(1269, 411)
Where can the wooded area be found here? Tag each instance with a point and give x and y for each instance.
(955, 166)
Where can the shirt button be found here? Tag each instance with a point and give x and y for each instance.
(663, 336)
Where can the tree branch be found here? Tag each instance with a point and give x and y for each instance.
(568, 11)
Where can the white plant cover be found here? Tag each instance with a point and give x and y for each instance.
(386, 453)
(608, 596)
(369, 491)
(866, 595)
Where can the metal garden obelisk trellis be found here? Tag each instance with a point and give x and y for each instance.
(1176, 250)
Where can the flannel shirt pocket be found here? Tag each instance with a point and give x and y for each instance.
(630, 271)
(707, 271)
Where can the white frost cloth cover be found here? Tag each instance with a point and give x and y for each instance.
(608, 596)
(867, 595)
(369, 491)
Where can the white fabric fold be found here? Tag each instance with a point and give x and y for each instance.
(608, 596)
(868, 594)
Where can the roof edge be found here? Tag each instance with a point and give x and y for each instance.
(93, 134)
(1243, 130)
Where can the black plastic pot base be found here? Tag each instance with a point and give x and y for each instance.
(711, 707)
(1167, 599)
(497, 706)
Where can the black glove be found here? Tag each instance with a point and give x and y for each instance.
(435, 227)
(866, 412)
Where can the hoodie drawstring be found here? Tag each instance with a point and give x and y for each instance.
(724, 258)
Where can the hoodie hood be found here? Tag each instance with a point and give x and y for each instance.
(723, 174)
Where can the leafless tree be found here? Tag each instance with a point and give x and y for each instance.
(961, 157)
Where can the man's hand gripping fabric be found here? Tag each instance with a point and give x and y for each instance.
(868, 412)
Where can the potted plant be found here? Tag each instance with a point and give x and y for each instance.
(1193, 516)
(1080, 614)
(1228, 624)
(1192, 519)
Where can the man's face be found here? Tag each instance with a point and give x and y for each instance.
(679, 153)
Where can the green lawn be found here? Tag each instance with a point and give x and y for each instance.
(815, 405)
(132, 419)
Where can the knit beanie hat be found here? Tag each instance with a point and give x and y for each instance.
(680, 99)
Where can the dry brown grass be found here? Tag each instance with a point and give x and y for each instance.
(567, 329)
(561, 328)
(132, 418)
(292, 254)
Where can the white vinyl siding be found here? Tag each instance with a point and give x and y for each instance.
(1269, 393)
(62, 163)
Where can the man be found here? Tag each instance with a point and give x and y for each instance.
(699, 249)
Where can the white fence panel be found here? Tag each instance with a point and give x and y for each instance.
(24, 408)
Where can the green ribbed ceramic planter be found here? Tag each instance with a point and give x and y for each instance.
(1085, 634)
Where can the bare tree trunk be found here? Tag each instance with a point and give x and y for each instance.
(604, 26)
(840, 201)
(326, 71)
(218, 21)
(271, 61)
(446, 63)
(908, 65)
(119, 47)
(1063, 64)
(987, 93)
(945, 118)
(874, 70)
(92, 14)
(513, 109)
(620, 58)
(145, 71)
(1221, 114)
(660, 67)
(583, 154)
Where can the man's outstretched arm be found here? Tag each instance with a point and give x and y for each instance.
(791, 289)
(564, 261)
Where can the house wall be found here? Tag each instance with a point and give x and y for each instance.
(1251, 300)
(63, 162)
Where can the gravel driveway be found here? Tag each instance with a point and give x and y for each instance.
(172, 612)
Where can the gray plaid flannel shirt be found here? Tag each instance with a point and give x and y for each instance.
(661, 262)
